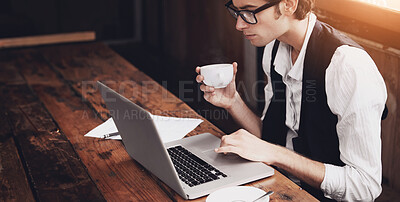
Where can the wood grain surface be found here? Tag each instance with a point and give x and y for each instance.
(63, 103)
(52, 166)
(117, 178)
(14, 185)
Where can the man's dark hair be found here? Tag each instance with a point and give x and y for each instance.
(303, 8)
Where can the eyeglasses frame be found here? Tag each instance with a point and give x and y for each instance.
(254, 12)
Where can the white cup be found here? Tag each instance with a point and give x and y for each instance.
(217, 75)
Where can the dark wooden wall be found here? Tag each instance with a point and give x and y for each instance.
(110, 20)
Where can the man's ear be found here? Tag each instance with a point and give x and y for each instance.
(289, 7)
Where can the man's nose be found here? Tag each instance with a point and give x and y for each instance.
(241, 24)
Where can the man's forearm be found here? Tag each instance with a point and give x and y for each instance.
(310, 171)
(245, 117)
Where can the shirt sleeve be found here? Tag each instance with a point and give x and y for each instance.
(356, 93)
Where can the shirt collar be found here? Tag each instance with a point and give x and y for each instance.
(280, 63)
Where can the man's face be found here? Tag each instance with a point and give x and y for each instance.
(270, 25)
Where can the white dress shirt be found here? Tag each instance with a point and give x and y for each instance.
(356, 93)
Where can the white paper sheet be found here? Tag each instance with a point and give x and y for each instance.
(169, 128)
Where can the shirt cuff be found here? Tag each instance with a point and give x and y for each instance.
(333, 184)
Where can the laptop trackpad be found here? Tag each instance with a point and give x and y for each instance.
(223, 159)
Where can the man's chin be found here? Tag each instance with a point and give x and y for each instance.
(257, 43)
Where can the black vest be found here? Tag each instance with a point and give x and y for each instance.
(317, 137)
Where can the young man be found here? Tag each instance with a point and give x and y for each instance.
(324, 102)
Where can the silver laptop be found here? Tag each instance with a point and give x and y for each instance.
(189, 165)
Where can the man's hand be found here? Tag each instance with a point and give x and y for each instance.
(247, 146)
(252, 148)
(223, 97)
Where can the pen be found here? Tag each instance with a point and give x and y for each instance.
(110, 135)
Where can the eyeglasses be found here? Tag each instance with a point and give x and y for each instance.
(246, 15)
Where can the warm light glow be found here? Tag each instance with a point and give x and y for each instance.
(392, 4)
(376, 2)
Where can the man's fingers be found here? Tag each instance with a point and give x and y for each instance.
(199, 78)
(207, 96)
(223, 141)
(227, 149)
(234, 67)
(207, 89)
(229, 140)
(198, 70)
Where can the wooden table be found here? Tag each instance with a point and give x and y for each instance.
(49, 101)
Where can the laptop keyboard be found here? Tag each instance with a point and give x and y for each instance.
(191, 169)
